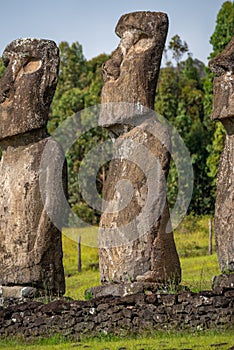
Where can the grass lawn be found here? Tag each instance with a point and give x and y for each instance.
(77, 283)
(161, 341)
(198, 268)
(197, 272)
(192, 240)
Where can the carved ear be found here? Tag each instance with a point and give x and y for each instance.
(32, 66)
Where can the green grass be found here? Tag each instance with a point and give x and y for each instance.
(192, 240)
(198, 268)
(192, 236)
(162, 341)
(197, 272)
(78, 282)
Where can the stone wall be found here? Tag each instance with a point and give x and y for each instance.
(132, 313)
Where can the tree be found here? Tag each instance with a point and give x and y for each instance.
(189, 122)
(178, 48)
(68, 98)
(73, 69)
(166, 102)
(94, 80)
(79, 86)
(223, 33)
(179, 98)
(224, 29)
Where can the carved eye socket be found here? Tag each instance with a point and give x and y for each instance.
(32, 66)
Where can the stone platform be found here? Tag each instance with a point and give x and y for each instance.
(123, 289)
(146, 311)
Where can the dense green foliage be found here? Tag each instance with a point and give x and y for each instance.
(79, 87)
(179, 98)
(184, 96)
(224, 29)
(223, 33)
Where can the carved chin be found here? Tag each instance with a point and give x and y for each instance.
(223, 110)
(223, 99)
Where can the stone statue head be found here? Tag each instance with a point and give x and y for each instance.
(27, 86)
(223, 68)
(132, 72)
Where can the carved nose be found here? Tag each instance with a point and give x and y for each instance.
(224, 62)
(4, 95)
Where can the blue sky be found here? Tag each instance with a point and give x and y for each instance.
(92, 22)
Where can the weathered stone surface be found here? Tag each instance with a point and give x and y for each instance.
(223, 110)
(17, 292)
(135, 236)
(28, 85)
(132, 313)
(132, 72)
(123, 289)
(223, 281)
(136, 241)
(30, 243)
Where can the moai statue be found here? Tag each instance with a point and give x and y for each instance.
(136, 241)
(30, 243)
(223, 110)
